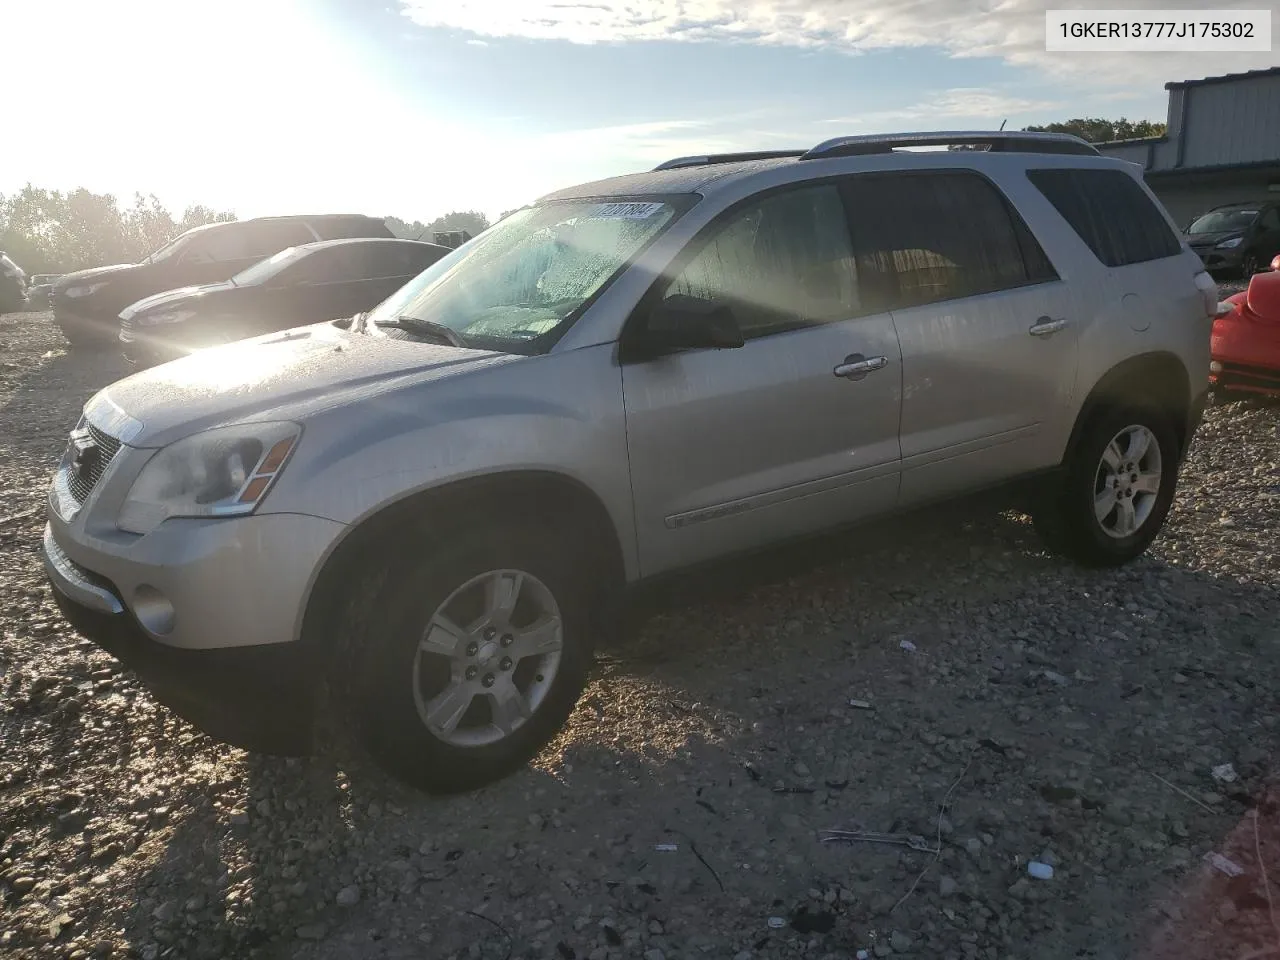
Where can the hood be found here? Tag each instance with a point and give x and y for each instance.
(1263, 296)
(288, 375)
(1211, 239)
(172, 298)
(91, 275)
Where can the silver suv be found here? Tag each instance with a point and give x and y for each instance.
(430, 511)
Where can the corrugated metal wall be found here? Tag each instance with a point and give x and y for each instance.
(1233, 122)
(1186, 198)
(1230, 122)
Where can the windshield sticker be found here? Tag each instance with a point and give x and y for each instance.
(626, 211)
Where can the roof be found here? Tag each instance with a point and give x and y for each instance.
(1243, 205)
(677, 180)
(1224, 78)
(348, 241)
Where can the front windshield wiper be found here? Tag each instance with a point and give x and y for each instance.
(427, 329)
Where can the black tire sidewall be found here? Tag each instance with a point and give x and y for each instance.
(1082, 473)
(382, 693)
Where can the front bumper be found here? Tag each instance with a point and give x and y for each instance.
(222, 649)
(143, 352)
(1214, 259)
(78, 326)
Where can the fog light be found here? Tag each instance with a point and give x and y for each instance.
(153, 610)
(1215, 366)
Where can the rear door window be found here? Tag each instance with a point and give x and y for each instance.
(340, 264)
(400, 259)
(347, 228)
(928, 237)
(270, 237)
(219, 245)
(1110, 213)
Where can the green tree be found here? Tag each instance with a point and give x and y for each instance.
(48, 231)
(1096, 130)
(472, 221)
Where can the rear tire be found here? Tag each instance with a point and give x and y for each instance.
(1115, 491)
(436, 719)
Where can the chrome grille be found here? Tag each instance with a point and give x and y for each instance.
(81, 485)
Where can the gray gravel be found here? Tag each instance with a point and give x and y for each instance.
(1044, 700)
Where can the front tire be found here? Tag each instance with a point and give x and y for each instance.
(1115, 491)
(473, 655)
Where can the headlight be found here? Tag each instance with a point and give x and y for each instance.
(84, 290)
(1228, 244)
(223, 472)
(164, 316)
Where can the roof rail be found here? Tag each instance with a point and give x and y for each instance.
(993, 141)
(713, 158)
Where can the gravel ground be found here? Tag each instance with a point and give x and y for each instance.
(1069, 717)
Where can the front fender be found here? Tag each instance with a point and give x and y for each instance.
(560, 413)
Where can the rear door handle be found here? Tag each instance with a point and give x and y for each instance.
(856, 366)
(1047, 326)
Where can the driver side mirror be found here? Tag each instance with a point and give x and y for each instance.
(682, 322)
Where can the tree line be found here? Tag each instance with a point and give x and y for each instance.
(52, 231)
(49, 231)
(1097, 130)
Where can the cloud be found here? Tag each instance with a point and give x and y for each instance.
(970, 103)
(1012, 30)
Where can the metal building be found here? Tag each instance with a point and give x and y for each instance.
(1222, 143)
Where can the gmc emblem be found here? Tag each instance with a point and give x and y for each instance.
(84, 455)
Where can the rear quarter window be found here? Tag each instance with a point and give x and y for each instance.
(1110, 212)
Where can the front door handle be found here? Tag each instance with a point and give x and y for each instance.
(856, 366)
(1047, 326)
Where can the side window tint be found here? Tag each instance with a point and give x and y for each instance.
(781, 263)
(332, 265)
(924, 238)
(270, 237)
(1110, 213)
(219, 245)
(399, 259)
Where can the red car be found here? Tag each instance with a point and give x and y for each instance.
(1245, 345)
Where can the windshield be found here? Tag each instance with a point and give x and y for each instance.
(529, 274)
(1223, 221)
(264, 270)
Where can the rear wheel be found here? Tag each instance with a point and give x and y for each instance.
(474, 656)
(1115, 491)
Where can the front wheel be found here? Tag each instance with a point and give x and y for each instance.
(1115, 490)
(474, 656)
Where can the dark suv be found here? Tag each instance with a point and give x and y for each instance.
(1236, 237)
(87, 304)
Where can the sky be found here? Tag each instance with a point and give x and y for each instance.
(414, 108)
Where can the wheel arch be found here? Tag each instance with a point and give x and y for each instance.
(1158, 380)
(445, 509)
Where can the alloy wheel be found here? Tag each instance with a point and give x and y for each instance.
(1127, 482)
(487, 658)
